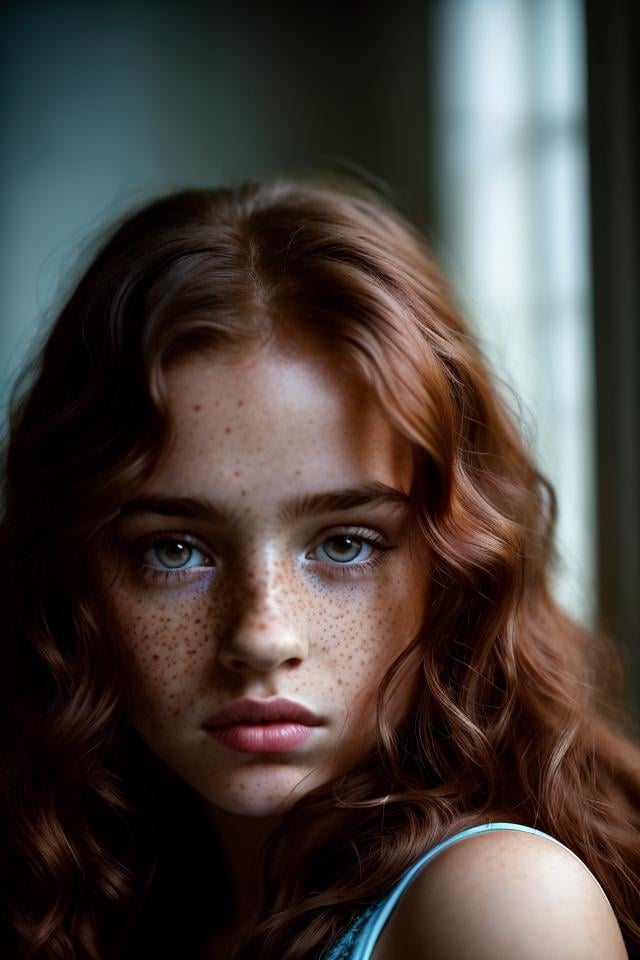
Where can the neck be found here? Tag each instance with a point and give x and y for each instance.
(240, 840)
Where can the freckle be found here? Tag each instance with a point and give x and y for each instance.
(155, 656)
(241, 403)
(197, 406)
(298, 472)
(243, 493)
(227, 429)
(262, 626)
(236, 473)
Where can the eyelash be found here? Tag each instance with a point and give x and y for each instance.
(154, 575)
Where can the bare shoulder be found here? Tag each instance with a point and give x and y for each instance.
(500, 895)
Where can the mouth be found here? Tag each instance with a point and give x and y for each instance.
(274, 725)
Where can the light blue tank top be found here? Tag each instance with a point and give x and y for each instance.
(358, 941)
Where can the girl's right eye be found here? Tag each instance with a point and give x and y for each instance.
(172, 558)
(174, 553)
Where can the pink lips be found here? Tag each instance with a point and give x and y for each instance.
(262, 726)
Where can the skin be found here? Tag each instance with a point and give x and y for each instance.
(502, 895)
(264, 606)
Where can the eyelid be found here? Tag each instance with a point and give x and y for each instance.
(350, 530)
(366, 535)
(336, 529)
(167, 537)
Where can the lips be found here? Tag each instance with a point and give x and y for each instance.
(262, 726)
(275, 710)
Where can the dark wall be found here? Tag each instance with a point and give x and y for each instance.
(104, 105)
(614, 129)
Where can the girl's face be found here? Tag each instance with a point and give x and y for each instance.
(268, 556)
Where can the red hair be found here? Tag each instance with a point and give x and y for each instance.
(512, 716)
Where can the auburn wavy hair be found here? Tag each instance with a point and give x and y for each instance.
(515, 709)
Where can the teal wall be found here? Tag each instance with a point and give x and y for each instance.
(108, 104)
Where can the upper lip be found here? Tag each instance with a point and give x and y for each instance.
(260, 711)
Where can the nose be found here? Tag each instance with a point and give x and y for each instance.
(262, 636)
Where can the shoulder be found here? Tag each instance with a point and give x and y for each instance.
(499, 895)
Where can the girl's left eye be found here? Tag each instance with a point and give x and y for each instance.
(351, 552)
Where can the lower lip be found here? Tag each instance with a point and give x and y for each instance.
(261, 737)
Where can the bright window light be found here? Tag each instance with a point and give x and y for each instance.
(511, 195)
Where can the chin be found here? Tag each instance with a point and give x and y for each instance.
(260, 791)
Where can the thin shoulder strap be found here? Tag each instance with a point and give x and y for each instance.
(375, 923)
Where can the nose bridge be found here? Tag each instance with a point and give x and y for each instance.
(264, 577)
(263, 634)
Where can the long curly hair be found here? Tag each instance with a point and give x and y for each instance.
(514, 709)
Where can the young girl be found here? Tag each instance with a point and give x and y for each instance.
(282, 676)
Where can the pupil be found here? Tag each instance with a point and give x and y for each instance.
(343, 542)
(345, 546)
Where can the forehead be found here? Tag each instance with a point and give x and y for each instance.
(269, 422)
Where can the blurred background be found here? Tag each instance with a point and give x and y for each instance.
(503, 128)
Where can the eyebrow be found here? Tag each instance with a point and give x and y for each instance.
(291, 510)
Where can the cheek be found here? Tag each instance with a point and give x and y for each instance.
(166, 644)
(366, 633)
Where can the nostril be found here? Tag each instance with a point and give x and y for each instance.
(236, 665)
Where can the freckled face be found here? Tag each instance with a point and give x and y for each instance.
(256, 598)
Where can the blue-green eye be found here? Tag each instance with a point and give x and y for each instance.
(343, 548)
(174, 554)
